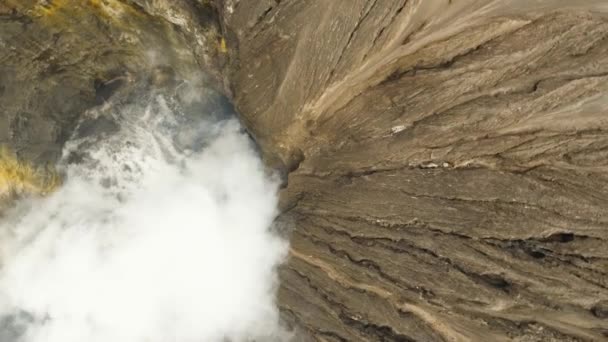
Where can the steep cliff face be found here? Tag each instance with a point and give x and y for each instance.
(448, 163)
(60, 57)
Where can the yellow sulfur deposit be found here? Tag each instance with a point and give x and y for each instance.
(50, 7)
(19, 177)
(58, 10)
(222, 47)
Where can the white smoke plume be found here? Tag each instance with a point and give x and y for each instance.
(146, 242)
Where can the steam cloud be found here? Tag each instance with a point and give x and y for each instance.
(146, 242)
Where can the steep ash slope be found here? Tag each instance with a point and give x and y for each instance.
(448, 163)
(446, 158)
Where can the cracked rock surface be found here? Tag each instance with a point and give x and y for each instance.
(448, 163)
(446, 159)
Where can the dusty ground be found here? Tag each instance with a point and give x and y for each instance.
(447, 159)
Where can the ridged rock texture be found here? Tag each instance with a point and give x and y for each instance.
(447, 163)
(445, 160)
(61, 57)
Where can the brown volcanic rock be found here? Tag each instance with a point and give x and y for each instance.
(447, 159)
(61, 57)
(449, 163)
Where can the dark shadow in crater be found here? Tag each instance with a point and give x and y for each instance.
(14, 326)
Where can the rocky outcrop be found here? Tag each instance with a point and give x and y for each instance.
(448, 163)
(60, 57)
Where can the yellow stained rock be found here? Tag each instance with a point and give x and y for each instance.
(223, 48)
(19, 177)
